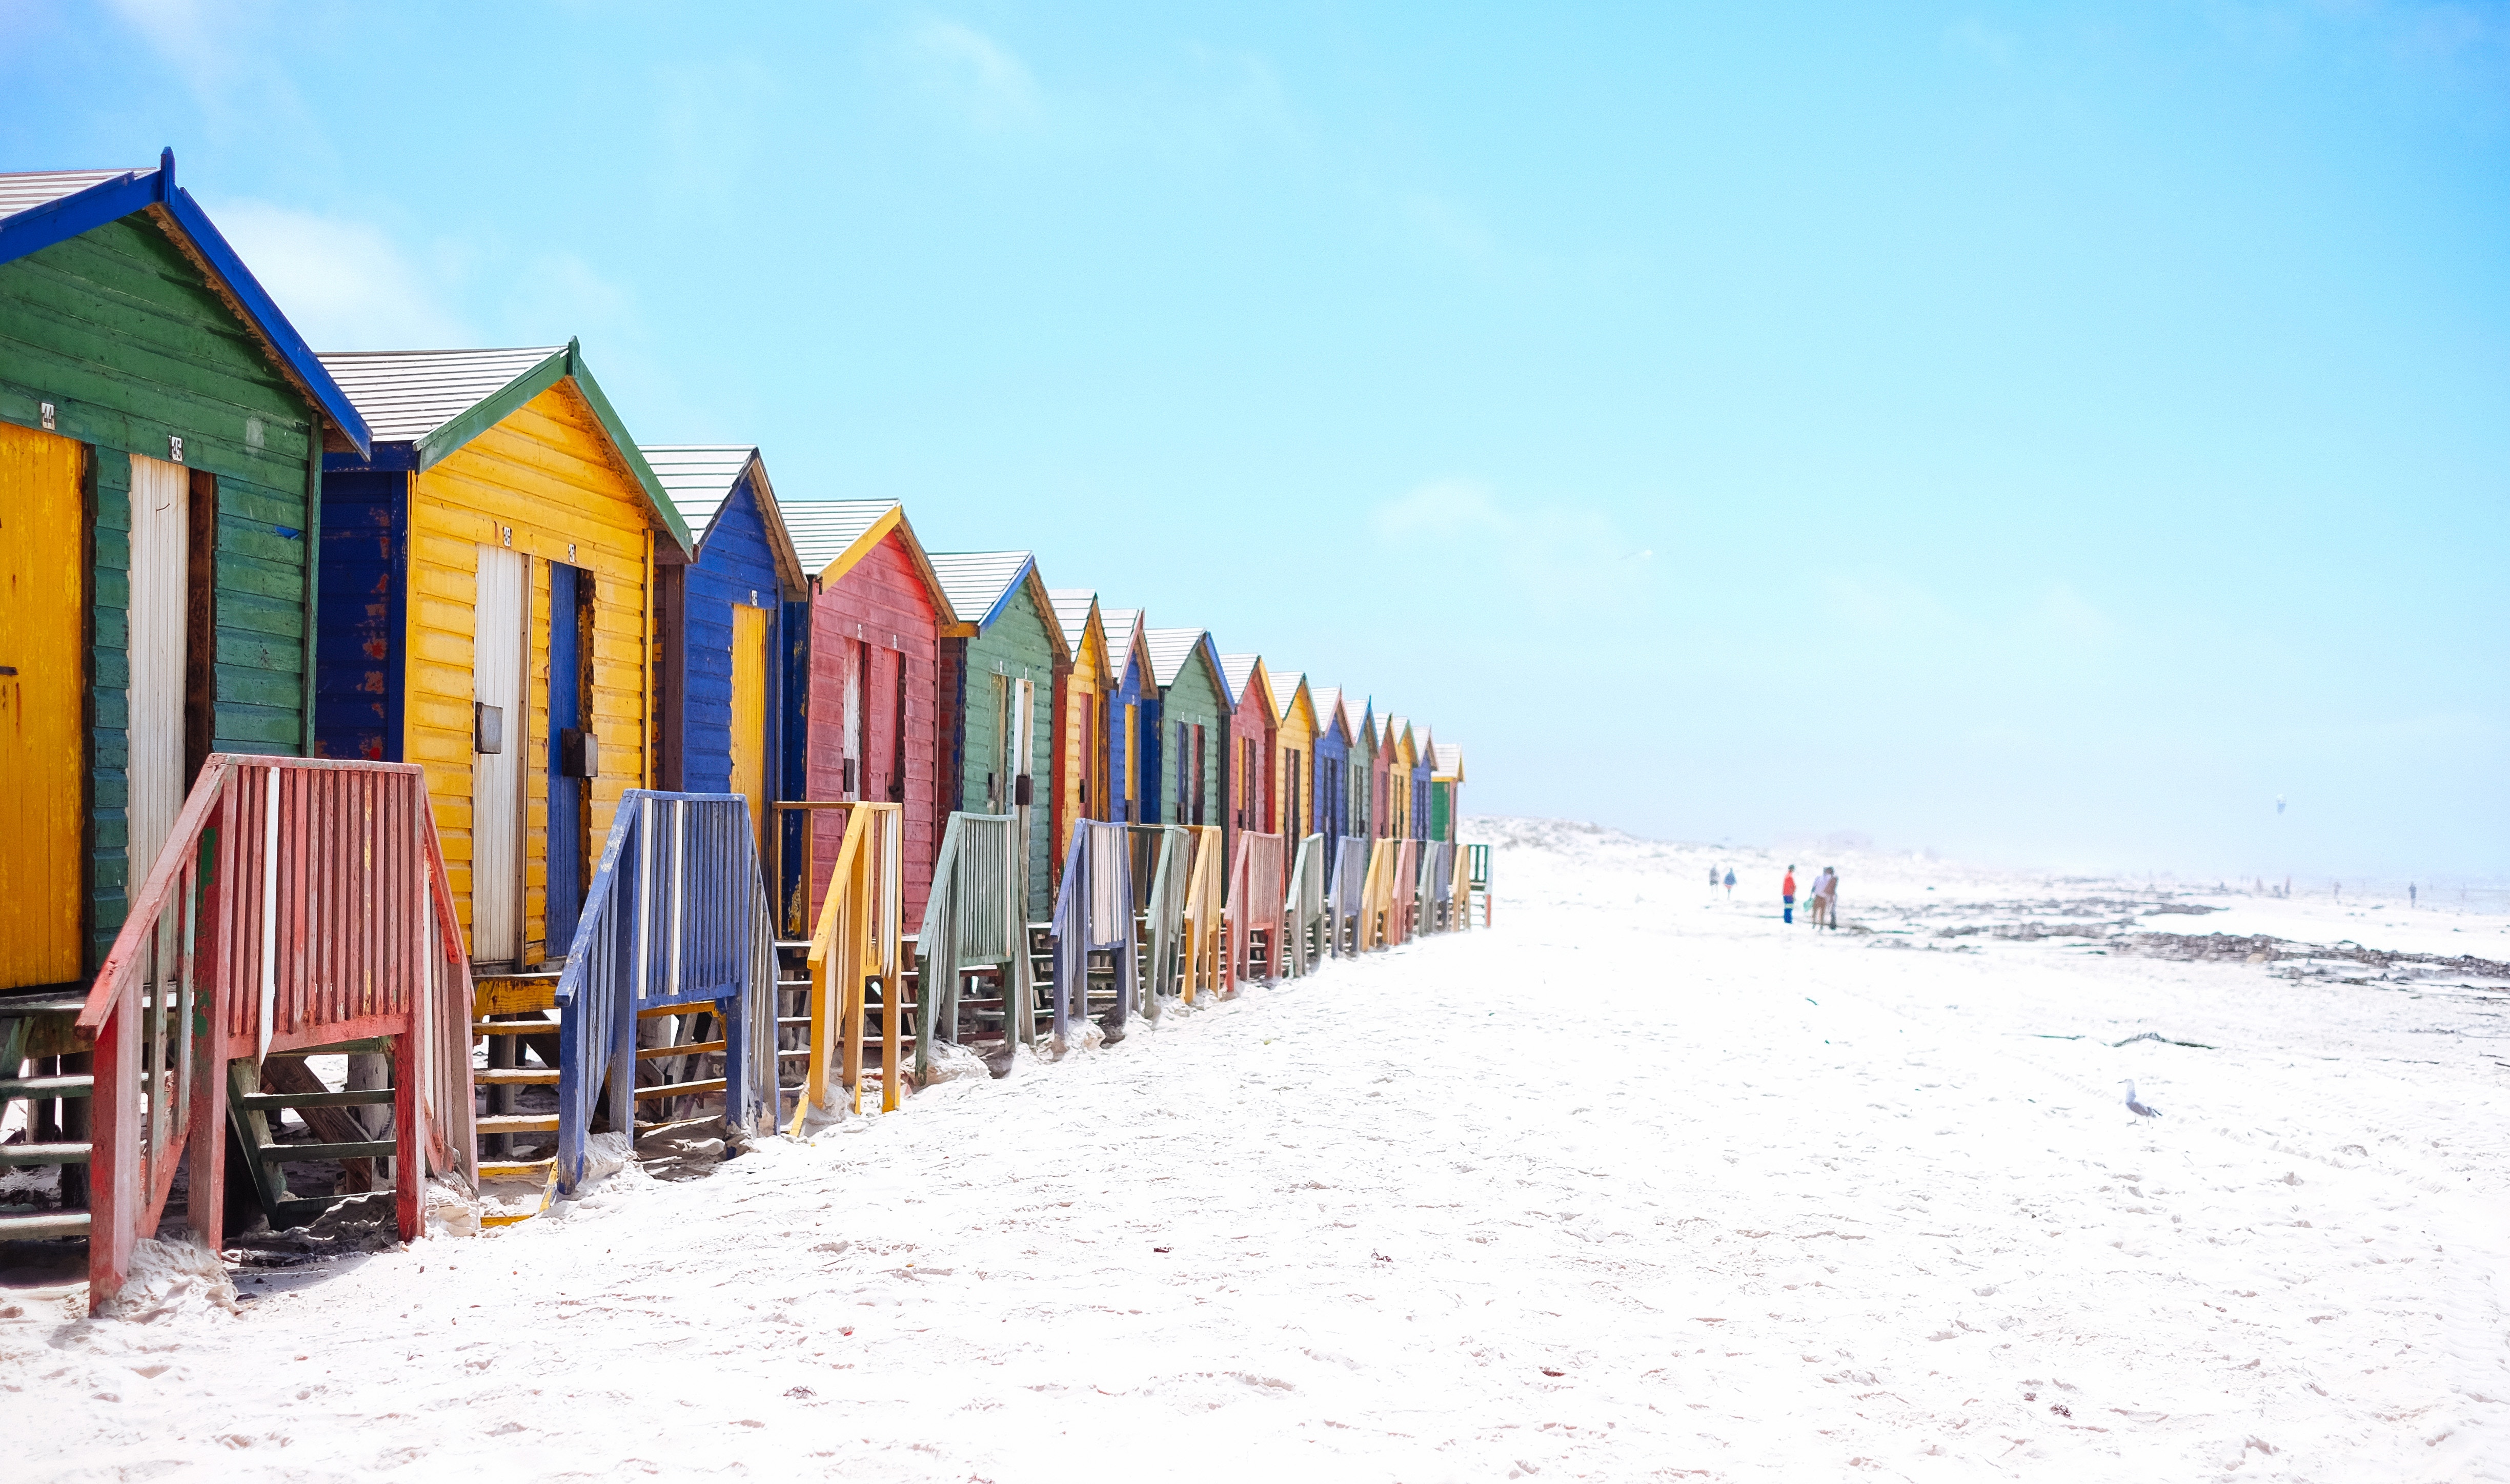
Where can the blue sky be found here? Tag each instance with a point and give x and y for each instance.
(2040, 433)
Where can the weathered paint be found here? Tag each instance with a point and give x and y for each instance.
(43, 611)
(1400, 761)
(1446, 792)
(549, 475)
(1250, 760)
(876, 621)
(1080, 791)
(133, 344)
(1017, 639)
(1132, 702)
(1190, 765)
(1294, 747)
(1332, 772)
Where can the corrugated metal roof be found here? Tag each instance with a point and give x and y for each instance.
(1168, 650)
(977, 581)
(406, 395)
(1071, 615)
(1286, 694)
(1239, 670)
(822, 529)
(1327, 700)
(1450, 759)
(25, 190)
(698, 477)
(1119, 623)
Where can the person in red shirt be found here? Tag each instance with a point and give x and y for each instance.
(1787, 893)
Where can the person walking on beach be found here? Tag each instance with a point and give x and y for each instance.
(1787, 894)
(1712, 882)
(1730, 883)
(1830, 897)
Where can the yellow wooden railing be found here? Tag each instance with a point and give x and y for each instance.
(853, 948)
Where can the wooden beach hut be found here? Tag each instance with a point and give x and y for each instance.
(1331, 771)
(488, 579)
(1001, 665)
(1133, 701)
(1188, 738)
(1399, 760)
(1424, 762)
(719, 628)
(871, 691)
(1079, 719)
(1253, 724)
(1294, 720)
(1446, 790)
(1367, 769)
(162, 429)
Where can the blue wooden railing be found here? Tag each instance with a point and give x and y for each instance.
(1094, 914)
(676, 917)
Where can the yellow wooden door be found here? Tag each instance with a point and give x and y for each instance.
(43, 596)
(750, 712)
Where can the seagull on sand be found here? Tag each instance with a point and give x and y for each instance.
(2138, 1109)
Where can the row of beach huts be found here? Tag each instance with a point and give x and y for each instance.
(408, 778)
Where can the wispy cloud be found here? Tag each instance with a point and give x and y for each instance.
(1557, 559)
(344, 284)
(976, 77)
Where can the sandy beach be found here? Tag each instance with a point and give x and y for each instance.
(1640, 1183)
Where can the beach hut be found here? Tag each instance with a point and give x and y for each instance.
(1446, 790)
(1294, 745)
(1132, 700)
(871, 691)
(162, 430)
(1079, 719)
(488, 579)
(1399, 760)
(1185, 740)
(1425, 747)
(1252, 726)
(999, 667)
(1367, 769)
(161, 435)
(719, 632)
(1331, 773)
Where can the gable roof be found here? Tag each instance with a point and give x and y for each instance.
(434, 403)
(41, 207)
(1073, 608)
(1171, 647)
(700, 479)
(1244, 670)
(831, 536)
(1287, 692)
(1327, 700)
(1124, 627)
(1450, 763)
(980, 584)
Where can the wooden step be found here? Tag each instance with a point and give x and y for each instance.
(674, 1089)
(272, 1102)
(39, 1226)
(510, 1076)
(515, 1169)
(79, 1085)
(516, 1123)
(479, 1028)
(45, 1154)
(685, 1049)
(362, 1149)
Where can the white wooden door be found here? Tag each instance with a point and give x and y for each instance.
(496, 778)
(160, 594)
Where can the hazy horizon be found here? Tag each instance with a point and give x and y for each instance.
(2034, 432)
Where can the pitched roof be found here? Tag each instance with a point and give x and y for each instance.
(1169, 648)
(832, 535)
(41, 207)
(1449, 761)
(1285, 695)
(980, 582)
(1327, 700)
(1122, 626)
(826, 530)
(700, 478)
(435, 402)
(1239, 668)
(1072, 607)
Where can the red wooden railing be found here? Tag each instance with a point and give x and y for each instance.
(299, 903)
(1257, 887)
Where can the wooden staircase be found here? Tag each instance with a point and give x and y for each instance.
(46, 1089)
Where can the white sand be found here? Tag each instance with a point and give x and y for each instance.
(1639, 1185)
